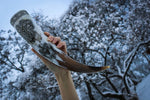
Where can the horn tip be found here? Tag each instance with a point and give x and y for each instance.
(106, 67)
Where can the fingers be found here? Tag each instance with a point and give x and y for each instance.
(47, 34)
(54, 40)
(50, 39)
(62, 46)
(57, 41)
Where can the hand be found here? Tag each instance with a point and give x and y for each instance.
(60, 45)
(63, 76)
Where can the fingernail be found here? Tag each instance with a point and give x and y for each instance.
(54, 41)
(46, 33)
(48, 39)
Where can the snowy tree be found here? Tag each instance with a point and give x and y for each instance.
(23, 75)
(97, 33)
(114, 33)
(47, 25)
(11, 44)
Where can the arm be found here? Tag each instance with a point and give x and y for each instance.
(66, 86)
(63, 76)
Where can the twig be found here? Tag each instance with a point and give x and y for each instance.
(146, 58)
(88, 49)
(89, 91)
(12, 64)
(109, 94)
(130, 59)
(112, 85)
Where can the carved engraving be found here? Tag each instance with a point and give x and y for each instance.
(47, 51)
(26, 30)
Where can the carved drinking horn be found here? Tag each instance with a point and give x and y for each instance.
(33, 34)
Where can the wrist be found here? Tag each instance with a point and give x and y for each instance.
(66, 86)
(63, 75)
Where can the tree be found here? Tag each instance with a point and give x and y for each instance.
(12, 50)
(97, 33)
(23, 75)
(109, 33)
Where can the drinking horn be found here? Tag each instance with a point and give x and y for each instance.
(32, 33)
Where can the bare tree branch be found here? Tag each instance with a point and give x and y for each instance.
(109, 94)
(112, 85)
(89, 91)
(130, 59)
(146, 58)
(12, 64)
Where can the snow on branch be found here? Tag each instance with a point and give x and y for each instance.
(128, 62)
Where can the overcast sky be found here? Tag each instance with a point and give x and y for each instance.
(51, 8)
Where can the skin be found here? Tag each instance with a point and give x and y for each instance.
(62, 75)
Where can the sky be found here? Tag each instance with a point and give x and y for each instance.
(50, 8)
